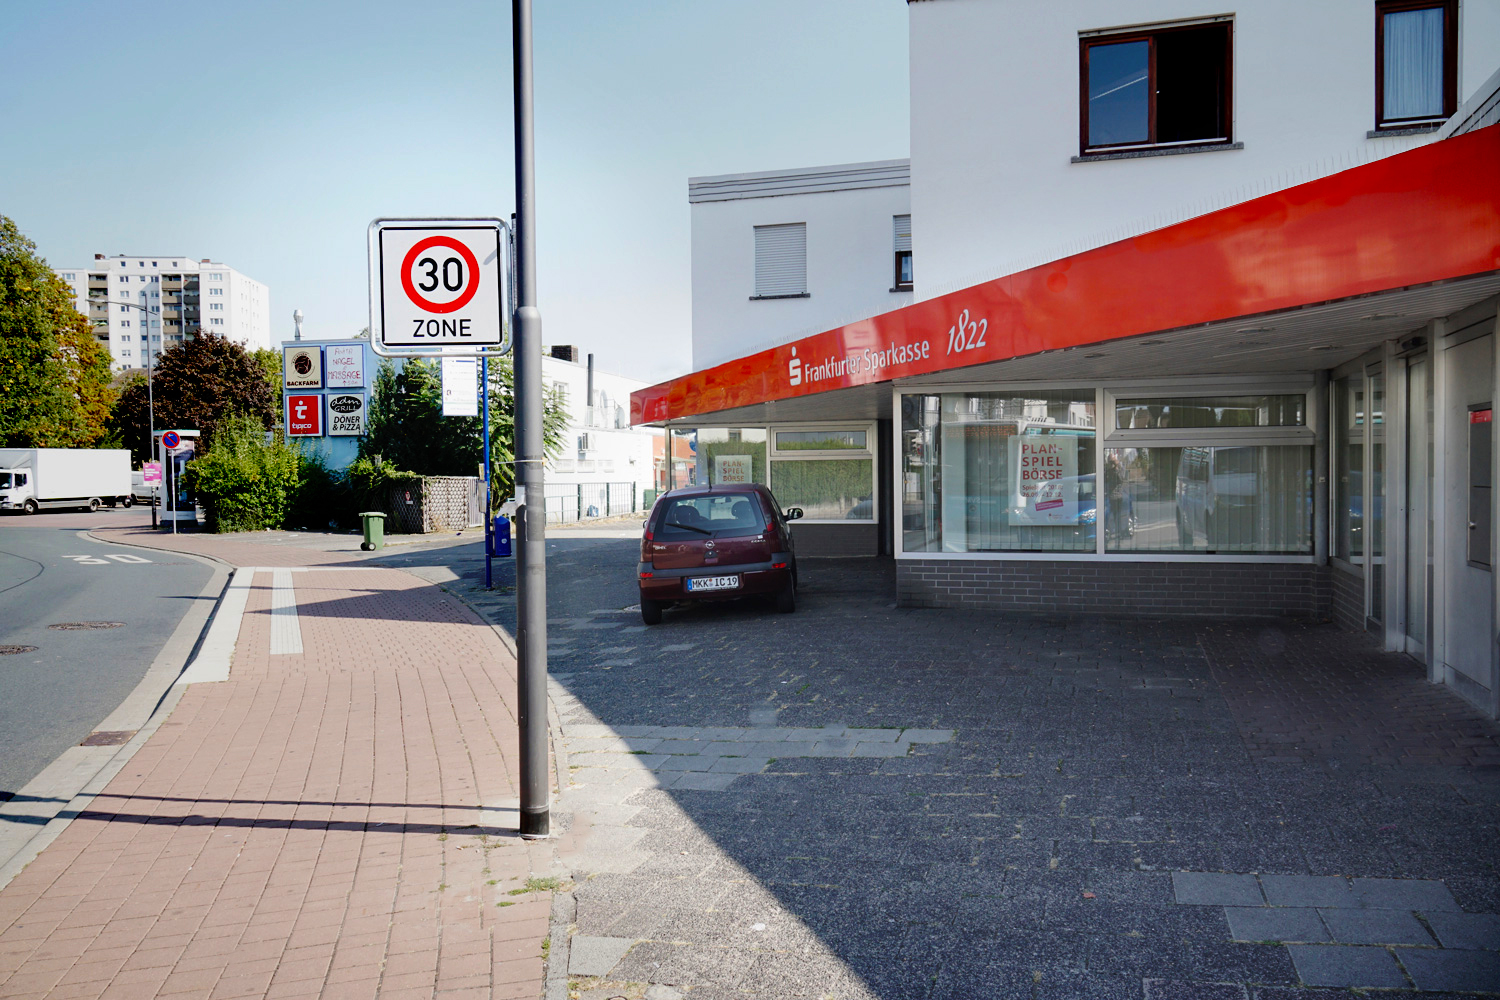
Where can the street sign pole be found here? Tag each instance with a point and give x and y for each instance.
(531, 551)
(489, 472)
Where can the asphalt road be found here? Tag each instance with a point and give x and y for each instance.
(52, 698)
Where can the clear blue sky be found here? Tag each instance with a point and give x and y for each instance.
(268, 134)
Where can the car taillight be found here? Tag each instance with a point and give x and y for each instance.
(649, 535)
(770, 527)
(646, 576)
(778, 565)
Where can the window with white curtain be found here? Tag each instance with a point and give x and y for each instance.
(902, 241)
(1415, 62)
(1210, 472)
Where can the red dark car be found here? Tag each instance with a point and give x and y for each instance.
(706, 543)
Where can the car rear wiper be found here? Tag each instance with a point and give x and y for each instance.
(701, 531)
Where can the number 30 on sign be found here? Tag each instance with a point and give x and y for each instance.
(437, 283)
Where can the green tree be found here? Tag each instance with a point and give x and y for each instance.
(407, 428)
(197, 384)
(55, 386)
(270, 361)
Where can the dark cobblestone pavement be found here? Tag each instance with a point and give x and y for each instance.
(1128, 808)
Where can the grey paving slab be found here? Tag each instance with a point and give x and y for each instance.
(681, 746)
(1275, 923)
(702, 782)
(927, 735)
(595, 956)
(832, 748)
(863, 749)
(1405, 894)
(1375, 927)
(1466, 930)
(739, 765)
(874, 735)
(1308, 890)
(685, 762)
(1340, 965)
(1216, 889)
(1456, 970)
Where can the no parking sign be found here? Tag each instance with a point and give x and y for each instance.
(437, 285)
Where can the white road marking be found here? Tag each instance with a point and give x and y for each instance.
(286, 630)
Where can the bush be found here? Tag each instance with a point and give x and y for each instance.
(322, 499)
(368, 483)
(244, 483)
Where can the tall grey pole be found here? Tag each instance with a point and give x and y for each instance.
(531, 529)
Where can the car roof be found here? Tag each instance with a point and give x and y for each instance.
(717, 490)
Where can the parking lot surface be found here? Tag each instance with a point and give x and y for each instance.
(861, 801)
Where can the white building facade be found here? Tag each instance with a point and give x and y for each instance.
(182, 296)
(783, 253)
(605, 466)
(1203, 322)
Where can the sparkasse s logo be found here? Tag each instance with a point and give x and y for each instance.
(794, 368)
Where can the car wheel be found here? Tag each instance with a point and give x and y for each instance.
(650, 612)
(127, 502)
(29, 506)
(786, 601)
(94, 505)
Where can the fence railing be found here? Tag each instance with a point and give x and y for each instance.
(568, 503)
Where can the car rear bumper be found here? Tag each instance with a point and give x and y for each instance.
(755, 578)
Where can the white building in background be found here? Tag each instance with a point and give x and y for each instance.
(183, 296)
(605, 463)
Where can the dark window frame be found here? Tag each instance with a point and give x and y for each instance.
(1450, 61)
(1149, 35)
(898, 285)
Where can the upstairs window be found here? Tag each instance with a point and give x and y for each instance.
(1153, 88)
(903, 254)
(1416, 72)
(780, 261)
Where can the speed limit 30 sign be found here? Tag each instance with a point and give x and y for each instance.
(437, 285)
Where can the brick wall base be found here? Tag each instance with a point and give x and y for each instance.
(1227, 589)
(1348, 598)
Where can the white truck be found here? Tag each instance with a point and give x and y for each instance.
(32, 479)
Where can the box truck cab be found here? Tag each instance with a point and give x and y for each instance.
(33, 479)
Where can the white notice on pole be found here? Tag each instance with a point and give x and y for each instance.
(460, 387)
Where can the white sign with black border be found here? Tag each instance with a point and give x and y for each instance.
(346, 414)
(437, 286)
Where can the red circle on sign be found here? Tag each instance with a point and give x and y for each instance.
(170, 439)
(416, 296)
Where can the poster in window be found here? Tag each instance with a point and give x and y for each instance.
(1044, 479)
(732, 469)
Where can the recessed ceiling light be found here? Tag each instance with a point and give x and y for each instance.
(1378, 316)
(1253, 343)
(1255, 329)
(1327, 347)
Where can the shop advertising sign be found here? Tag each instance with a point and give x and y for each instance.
(1044, 473)
(303, 367)
(346, 415)
(346, 366)
(460, 387)
(732, 469)
(304, 416)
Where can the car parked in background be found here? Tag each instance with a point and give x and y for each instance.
(707, 543)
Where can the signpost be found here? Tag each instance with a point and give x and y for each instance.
(437, 287)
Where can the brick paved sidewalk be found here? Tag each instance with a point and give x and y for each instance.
(335, 820)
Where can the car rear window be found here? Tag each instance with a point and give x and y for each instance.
(716, 515)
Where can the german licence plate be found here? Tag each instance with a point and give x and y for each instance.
(697, 583)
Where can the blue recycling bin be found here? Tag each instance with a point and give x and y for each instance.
(500, 536)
